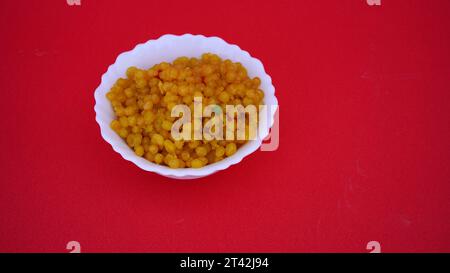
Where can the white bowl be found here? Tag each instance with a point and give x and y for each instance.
(166, 49)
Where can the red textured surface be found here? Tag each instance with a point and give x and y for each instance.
(364, 140)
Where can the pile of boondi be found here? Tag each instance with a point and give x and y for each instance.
(144, 100)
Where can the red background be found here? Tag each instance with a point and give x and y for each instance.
(364, 136)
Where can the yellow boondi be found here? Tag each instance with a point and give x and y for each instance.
(143, 102)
